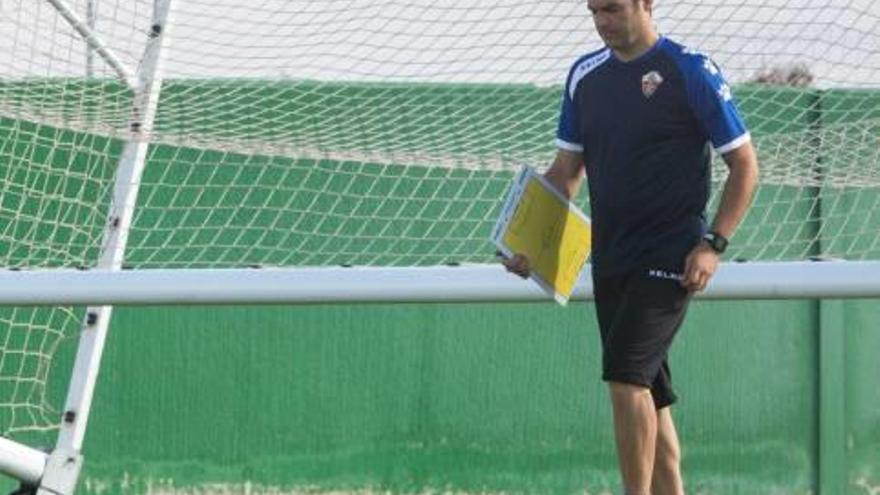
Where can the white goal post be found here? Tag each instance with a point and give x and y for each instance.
(357, 151)
(57, 472)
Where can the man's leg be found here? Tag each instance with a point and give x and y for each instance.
(667, 457)
(639, 316)
(635, 430)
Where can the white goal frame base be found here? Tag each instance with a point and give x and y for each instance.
(22, 463)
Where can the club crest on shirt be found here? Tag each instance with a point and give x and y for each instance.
(650, 82)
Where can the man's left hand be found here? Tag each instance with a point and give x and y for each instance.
(699, 267)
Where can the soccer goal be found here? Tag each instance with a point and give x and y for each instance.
(308, 151)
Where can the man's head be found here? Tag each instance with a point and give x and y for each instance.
(622, 24)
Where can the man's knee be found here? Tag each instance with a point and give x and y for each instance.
(621, 390)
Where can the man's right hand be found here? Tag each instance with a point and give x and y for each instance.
(518, 265)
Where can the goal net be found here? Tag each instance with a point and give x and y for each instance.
(376, 133)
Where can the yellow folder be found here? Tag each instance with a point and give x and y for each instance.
(539, 222)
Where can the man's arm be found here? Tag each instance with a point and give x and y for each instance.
(738, 189)
(566, 174)
(736, 197)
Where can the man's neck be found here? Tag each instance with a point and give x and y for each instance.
(637, 49)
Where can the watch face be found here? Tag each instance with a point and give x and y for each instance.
(716, 242)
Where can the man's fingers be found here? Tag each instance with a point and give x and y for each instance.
(698, 281)
(517, 264)
(688, 275)
(691, 279)
(512, 266)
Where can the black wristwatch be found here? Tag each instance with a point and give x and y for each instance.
(716, 241)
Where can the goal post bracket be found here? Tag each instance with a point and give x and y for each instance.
(62, 473)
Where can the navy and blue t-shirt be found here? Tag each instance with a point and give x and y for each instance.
(646, 129)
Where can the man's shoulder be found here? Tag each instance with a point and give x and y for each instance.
(594, 57)
(585, 64)
(689, 60)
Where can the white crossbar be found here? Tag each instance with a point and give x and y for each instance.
(474, 283)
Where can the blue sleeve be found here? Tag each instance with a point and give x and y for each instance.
(711, 100)
(566, 132)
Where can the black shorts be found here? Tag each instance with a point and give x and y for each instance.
(639, 314)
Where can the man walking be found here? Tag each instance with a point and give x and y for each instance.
(639, 120)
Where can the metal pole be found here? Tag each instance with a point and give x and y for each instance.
(91, 20)
(94, 41)
(22, 463)
(64, 463)
(333, 285)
